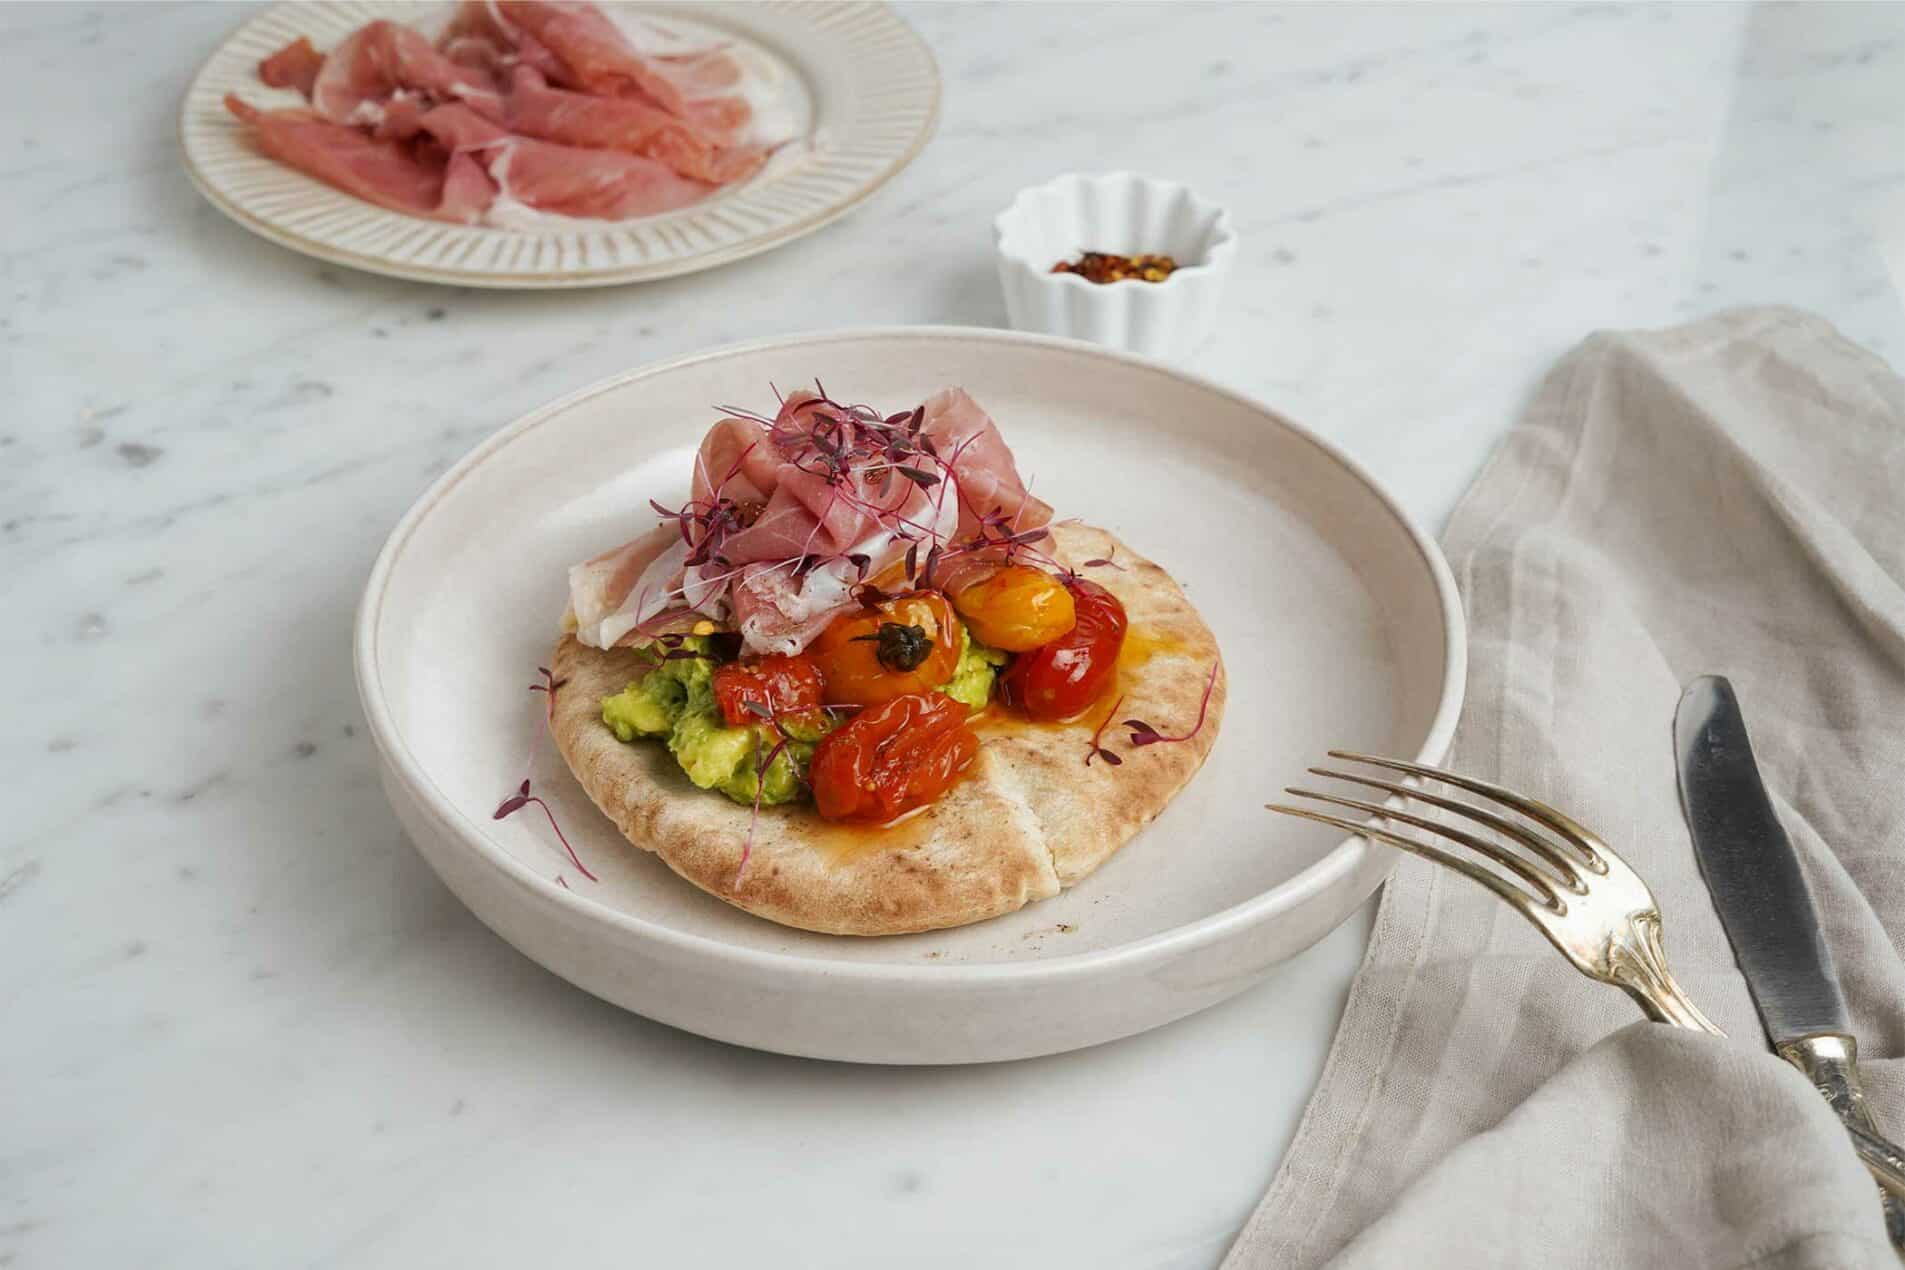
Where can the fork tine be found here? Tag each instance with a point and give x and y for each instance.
(1567, 868)
(1521, 900)
(1576, 834)
(1542, 883)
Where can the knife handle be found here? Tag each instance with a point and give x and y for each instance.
(1830, 1061)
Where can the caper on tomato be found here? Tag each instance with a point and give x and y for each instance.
(902, 645)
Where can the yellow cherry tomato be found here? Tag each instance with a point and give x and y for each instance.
(1018, 608)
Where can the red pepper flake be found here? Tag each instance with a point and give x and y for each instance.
(1106, 266)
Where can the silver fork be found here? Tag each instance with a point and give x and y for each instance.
(1571, 885)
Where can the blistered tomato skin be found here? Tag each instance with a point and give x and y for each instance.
(1061, 679)
(848, 652)
(778, 684)
(1018, 608)
(892, 758)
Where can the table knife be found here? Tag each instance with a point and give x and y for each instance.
(1767, 910)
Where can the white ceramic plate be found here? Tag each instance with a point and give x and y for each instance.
(1338, 619)
(854, 72)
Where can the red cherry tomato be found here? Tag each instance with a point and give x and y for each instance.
(782, 686)
(1061, 679)
(892, 757)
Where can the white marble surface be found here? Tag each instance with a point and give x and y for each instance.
(241, 1023)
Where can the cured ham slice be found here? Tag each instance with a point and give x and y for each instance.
(596, 57)
(467, 190)
(983, 468)
(478, 37)
(779, 611)
(737, 460)
(384, 58)
(628, 124)
(563, 179)
(612, 594)
(703, 73)
(379, 170)
(296, 65)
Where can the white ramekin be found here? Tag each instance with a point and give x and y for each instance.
(1118, 212)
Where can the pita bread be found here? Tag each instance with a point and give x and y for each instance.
(1029, 818)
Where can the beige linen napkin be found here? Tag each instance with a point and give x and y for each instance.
(1727, 497)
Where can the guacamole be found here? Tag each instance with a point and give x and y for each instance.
(678, 686)
(675, 701)
(972, 677)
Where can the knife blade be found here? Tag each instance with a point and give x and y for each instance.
(1751, 869)
(1767, 910)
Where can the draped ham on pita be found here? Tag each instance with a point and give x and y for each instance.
(795, 535)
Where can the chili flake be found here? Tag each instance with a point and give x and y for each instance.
(1104, 266)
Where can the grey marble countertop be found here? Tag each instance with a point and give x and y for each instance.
(243, 1024)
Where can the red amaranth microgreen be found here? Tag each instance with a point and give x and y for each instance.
(761, 767)
(523, 797)
(1097, 750)
(1143, 734)
(872, 597)
(925, 480)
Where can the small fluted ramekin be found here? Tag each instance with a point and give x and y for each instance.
(1128, 214)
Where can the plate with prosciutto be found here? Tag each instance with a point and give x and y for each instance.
(900, 696)
(553, 143)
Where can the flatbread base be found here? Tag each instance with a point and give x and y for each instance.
(1029, 818)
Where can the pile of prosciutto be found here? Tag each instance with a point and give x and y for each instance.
(790, 516)
(538, 104)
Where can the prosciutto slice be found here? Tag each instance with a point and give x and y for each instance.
(296, 65)
(612, 594)
(628, 124)
(597, 58)
(983, 468)
(382, 59)
(558, 178)
(737, 460)
(479, 37)
(594, 54)
(379, 170)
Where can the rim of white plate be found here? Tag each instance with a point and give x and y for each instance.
(1342, 859)
(892, 114)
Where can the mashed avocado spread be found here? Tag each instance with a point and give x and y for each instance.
(971, 683)
(675, 702)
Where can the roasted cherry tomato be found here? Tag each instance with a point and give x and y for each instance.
(891, 758)
(779, 685)
(907, 644)
(1062, 679)
(1018, 608)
